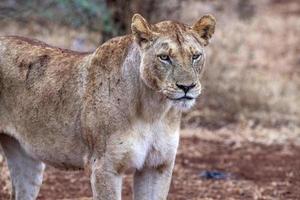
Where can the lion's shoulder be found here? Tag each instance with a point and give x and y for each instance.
(112, 53)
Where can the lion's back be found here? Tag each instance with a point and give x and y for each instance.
(29, 61)
(38, 83)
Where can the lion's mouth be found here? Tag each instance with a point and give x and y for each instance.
(185, 97)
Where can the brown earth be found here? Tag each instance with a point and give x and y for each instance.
(260, 167)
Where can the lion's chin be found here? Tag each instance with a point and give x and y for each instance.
(184, 104)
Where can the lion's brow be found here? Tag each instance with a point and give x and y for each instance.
(165, 45)
(179, 38)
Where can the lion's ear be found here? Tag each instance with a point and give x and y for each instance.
(141, 29)
(205, 27)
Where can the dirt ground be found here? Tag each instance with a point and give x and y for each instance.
(262, 163)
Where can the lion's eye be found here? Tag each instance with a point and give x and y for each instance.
(196, 56)
(164, 57)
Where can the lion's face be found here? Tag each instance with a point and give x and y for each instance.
(173, 57)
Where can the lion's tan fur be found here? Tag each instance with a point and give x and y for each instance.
(108, 110)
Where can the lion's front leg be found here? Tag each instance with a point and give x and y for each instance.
(153, 183)
(106, 182)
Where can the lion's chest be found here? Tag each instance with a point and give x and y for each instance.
(153, 144)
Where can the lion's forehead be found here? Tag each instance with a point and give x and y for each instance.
(186, 46)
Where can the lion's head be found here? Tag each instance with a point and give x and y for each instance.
(172, 56)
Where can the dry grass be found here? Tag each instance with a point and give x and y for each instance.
(80, 39)
(241, 134)
(253, 72)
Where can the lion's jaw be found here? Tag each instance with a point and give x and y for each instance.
(182, 100)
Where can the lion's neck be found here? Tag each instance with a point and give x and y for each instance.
(114, 71)
(149, 104)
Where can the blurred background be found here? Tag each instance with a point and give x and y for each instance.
(251, 84)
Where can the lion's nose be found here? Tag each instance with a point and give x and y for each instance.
(186, 88)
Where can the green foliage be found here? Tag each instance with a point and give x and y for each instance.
(93, 14)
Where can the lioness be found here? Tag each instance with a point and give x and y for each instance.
(115, 109)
